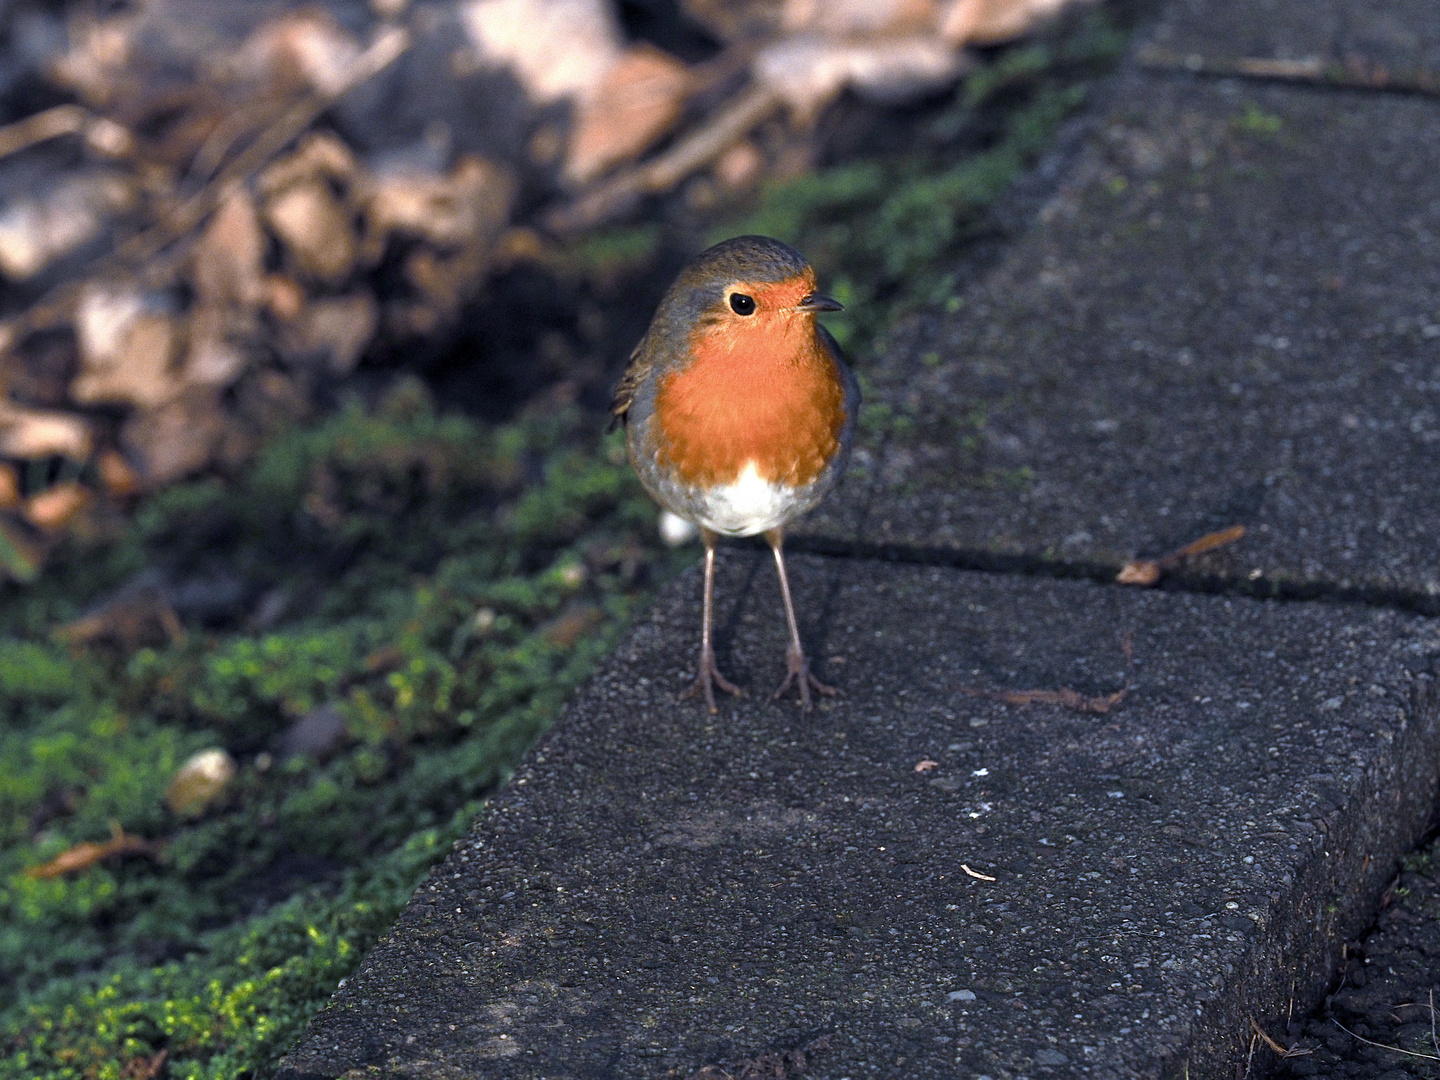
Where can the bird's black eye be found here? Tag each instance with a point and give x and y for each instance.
(741, 304)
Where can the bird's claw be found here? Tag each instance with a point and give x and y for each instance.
(706, 681)
(797, 671)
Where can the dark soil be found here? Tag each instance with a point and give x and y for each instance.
(1386, 993)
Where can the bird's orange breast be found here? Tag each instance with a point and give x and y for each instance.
(768, 393)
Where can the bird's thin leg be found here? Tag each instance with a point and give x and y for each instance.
(797, 668)
(709, 675)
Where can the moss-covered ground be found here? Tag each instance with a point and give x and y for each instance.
(440, 583)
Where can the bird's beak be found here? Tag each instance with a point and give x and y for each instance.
(819, 302)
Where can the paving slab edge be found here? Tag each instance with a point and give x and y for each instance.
(1346, 881)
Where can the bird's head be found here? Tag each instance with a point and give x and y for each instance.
(749, 291)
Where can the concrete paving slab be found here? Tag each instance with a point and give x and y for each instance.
(913, 881)
(1228, 313)
(1387, 39)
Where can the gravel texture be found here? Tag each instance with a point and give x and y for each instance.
(658, 891)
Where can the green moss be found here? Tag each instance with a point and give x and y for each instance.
(452, 584)
(1254, 120)
(609, 253)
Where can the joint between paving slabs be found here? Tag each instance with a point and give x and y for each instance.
(1104, 573)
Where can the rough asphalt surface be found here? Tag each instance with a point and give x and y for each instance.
(658, 891)
(1395, 37)
(1228, 312)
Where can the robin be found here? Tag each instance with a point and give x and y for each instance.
(739, 413)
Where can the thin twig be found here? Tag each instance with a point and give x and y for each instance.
(1268, 1041)
(1070, 699)
(145, 247)
(611, 197)
(387, 47)
(1382, 1046)
(229, 131)
(1354, 75)
(1148, 571)
(41, 127)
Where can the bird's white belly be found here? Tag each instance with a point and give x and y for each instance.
(750, 505)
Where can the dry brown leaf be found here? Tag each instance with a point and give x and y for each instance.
(54, 507)
(555, 48)
(314, 229)
(989, 22)
(177, 439)
(640, 98)
(1142, 572)
(468, 206)
(85, 855)
(740, 166)
(9, 486)
(319, 155)
(302, 49)
(215, 359)
(1146, 572)
(697, 149)
(731, 21)
(127, 347)
(37, 229)
(333, 333)
(120, 480)
(840, 18)
(28, 433)
(809, 70)
(145, 1066)
(284, 297)
(227, 265)
(99, 51)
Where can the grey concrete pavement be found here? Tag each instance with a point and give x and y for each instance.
(1398, 37)
(1229, 312)
(658, 891)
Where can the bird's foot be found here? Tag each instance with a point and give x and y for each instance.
(797, 671)
(706, 681)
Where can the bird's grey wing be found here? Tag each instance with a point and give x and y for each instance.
(624, 395)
